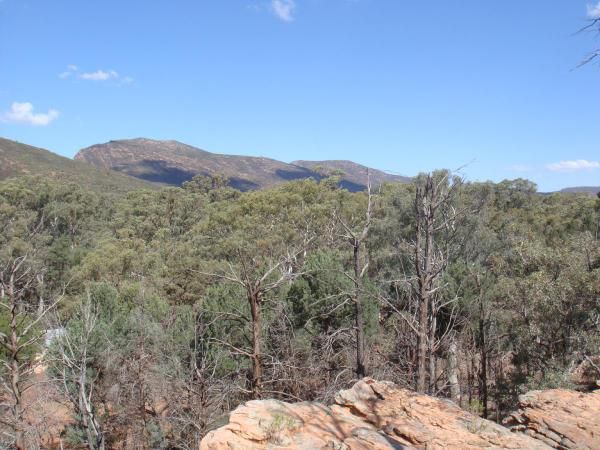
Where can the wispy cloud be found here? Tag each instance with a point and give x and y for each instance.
(98, 75)
(593, 11)
(23, 113)
(284, 9)
(573, 165)
(71, 69)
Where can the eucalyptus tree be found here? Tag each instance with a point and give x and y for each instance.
(258, 243)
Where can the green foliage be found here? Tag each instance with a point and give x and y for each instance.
(550, 378)
(167, 274)
(29, 352)
(320, 298)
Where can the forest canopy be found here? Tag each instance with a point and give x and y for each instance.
(155, 313)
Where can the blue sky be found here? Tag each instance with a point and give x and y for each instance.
(404, 86)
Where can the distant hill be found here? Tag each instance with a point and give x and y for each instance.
(172, 162)
(353, 172)
(20, 159)
(582, 190)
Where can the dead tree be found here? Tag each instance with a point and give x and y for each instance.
(23, 338)
(74, 360)
(435, 218)
(356, 237)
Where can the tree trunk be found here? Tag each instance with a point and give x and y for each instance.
(424, 267)
(431, 352)
(453, 372)
(361, 370)
(483, 384)
(90, 424)
(18, 403)
(422, 343)
(257, 369)
(15, 371)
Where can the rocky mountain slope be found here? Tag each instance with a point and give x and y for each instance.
(18, 159)
(382, 416)
(172, 162)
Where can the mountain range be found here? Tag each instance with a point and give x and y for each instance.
(172, 163)
(124, 165)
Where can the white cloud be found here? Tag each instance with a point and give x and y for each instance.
(573, 165)
(99, 75)
(284, 9)
(71, 69)
(23, 113)
(593, 11)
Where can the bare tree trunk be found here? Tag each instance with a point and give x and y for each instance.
(431, 352)
(41, 303)
(95, 438)
(361, 370)
(15, 370)
(356, 238)
(423, 266)
(422, 343)
(257, 369)
(453, 372)
(483, 384)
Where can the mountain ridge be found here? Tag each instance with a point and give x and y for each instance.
(18, 159)
(593, 190)
(171, 162)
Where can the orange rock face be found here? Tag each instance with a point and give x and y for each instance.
(560, 418)
(371, 415)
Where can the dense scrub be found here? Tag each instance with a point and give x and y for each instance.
(170, 308)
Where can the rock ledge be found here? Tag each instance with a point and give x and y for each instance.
(382, 416)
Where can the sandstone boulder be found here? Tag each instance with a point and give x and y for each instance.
(371, 415)
(560, 418)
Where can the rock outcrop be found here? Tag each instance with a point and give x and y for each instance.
(380, 415)
(560, 418)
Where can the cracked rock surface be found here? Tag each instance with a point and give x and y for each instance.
(380, 415)
(561, 418)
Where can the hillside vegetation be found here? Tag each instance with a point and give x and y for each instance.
(354, 173)
(18, 159)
